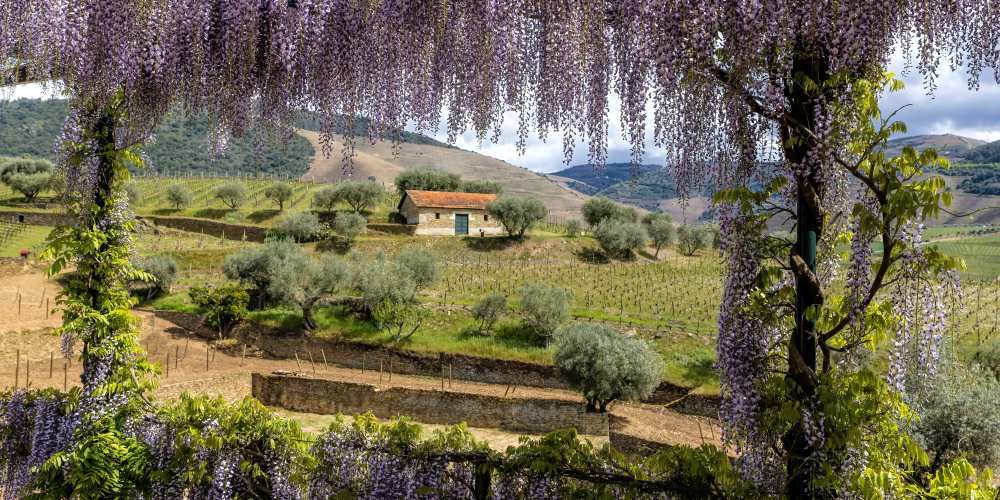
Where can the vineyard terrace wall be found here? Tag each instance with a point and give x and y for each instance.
(536, 415)
(235, 232)
(459, 366)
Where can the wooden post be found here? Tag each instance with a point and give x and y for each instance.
(177, 355)
(207, 349)
(449, 375)
(297, 364)
(46, 308)
(243, 356)
(27, 372)
(52, 359)
(311, 362)
(17, 367)
(18, 304)
(380, 373)
(186, 342)
(65, 374)
(167, 374)
(323, 352)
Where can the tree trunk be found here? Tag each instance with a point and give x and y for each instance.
(307, 316)
(801, 469)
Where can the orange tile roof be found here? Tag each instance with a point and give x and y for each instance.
(448, 199)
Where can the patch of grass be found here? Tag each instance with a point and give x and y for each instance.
(22, 237)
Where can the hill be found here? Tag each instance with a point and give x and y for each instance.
(986, 153)
(383, 160)
(954, 147)
(181, 144)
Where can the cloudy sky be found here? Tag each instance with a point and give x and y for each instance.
(952, 108)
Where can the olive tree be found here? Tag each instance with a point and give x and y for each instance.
(605, 366)
(359, 195)
(690, 240)
(597, 210)
(279, 193)
(573, 228)
(618, 238)
(662, 233)
(489, 310)
(959, 415)
(27, 176)
(379, 281)
(253, 266)
(232, 195)
(544, 308)
(517, 215)
(179, 196)
(488, 187)
(350, 226)
(224, 306)
(421, 264)
(325, 200)
(163, 270)
(304, 281)
(301, 227)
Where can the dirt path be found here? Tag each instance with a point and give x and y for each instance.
(30, 354)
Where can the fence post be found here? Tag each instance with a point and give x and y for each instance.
(17, 368)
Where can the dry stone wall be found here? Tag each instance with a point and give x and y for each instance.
(433, 407)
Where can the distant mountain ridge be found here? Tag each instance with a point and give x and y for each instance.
(646, 186)
(956, 148)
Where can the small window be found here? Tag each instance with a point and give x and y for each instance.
(486, 218)
(437, 215)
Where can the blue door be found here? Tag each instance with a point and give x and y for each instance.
(461, 223)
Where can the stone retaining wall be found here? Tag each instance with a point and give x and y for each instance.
(464, 367)
(217, 229)
(433, 407)
(36, 218)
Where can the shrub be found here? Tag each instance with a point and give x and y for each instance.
(179, 196)
(232, 195)
(359, 195)
(959, 416)
(618, 238)
(279, 193)
(427, 180)
(573, 228)
(421, 264)
(605, 366)
(350, 226)
(57, 184)
(489, 187)
(325, 200)
(301, 227)
(163, 268)
(400, 319)
(691, 239)
(304, 281)
(517, 215)
(489, 310)
(544, 308)
(662, 232)
(597, 210)
(651, 217)
(988, 356)
(224, 307)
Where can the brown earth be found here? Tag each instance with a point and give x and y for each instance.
(384, 161)
(28, 346)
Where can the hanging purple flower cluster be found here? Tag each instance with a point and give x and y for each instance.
(553, 62)
(33, 427)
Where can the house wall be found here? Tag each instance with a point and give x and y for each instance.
(428, 225)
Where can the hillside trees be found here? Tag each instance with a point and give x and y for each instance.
(163, 269)
(517, 215)
(597, 210)
(606, 366)
(489, 310)
(253, 266)
(179, 196)
(279, 193)
(325, 200)
(224, 306)
(487, 187)
(28, 176)
(232, 195)
(423, 179)
(359, 195)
